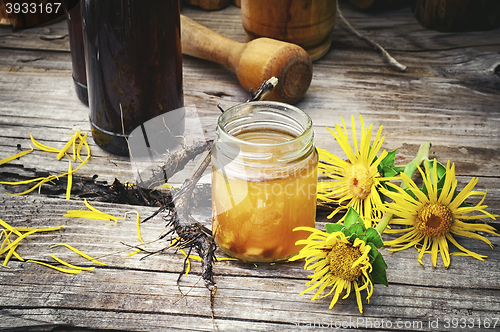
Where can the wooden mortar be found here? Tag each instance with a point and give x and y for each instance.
(307, 23)
(458, 15)
(209, 4)
(254, 61)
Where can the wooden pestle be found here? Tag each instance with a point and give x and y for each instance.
(254, 62)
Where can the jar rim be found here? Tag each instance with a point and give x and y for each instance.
(263, 106)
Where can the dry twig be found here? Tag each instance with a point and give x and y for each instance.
(393, 62)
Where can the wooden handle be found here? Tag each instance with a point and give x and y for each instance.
(201, 42)
(253, 62)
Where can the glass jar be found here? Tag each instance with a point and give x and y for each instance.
(264, 180)
(134, 66)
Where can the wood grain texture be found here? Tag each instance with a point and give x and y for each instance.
(449, 96)
(129, 291)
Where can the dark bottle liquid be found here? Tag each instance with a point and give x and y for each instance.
(134, 66)
(74, 19)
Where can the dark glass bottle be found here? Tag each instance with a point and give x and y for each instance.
(74, 19)
(134, 66)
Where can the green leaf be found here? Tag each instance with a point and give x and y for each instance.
(399, 169)
(357, 228)
(374, 237)
(353, 237)
(331, 228)
(373, 251)
(409, 192)
(464, 204)
(386, 167)
(346, 232)
(378, 274)
(440, 172)
(388, 161)
(387, 172)
(352, 217)
(379, 263)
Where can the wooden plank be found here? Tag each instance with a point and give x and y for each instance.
(448, 96)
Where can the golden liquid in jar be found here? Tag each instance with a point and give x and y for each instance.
(254, 218)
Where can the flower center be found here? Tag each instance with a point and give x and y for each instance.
(340, 260)
(434, 219)
(359, 181)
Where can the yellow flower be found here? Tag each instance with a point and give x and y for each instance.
(434, 216)
(336, 262)
(356, 181)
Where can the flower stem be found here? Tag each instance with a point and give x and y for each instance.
(422, 155)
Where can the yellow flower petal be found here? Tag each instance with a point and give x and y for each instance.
(43, 147)
(71, 265)
(15, 156)
(61, 153)
(79, 253)
(16, 242)
(92, 214)
(70, 181)
(60, 269)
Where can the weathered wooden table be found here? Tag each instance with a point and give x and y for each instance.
(450, 96)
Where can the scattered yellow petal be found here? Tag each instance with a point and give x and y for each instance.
(43, 147)
(17, 256)
(9, 228)
(87, 204)
(195, 257)
(66, 148)
(138, 225)
(60, 269)
(134, 252)
(11, 252)
(79, 253)
(188, 268)
(39, 184)
(50, 229)
(10, 247)
(80, 145)
(138, 232)
(70, 181)
(21, 182)
(220, 259)
(71, 265)
(16, 241)
(92, 214)
(15, 156)
(6, 241)
(60, 154)
(75, 137)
